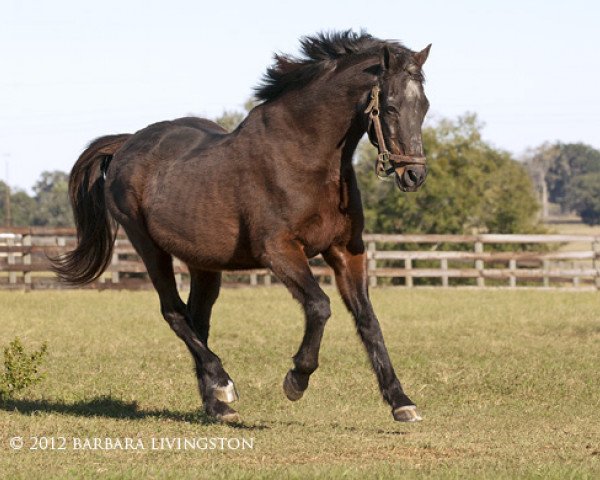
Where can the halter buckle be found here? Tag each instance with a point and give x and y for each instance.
(382, 170)
(373, 106)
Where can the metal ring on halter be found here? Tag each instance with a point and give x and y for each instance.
(381, 170)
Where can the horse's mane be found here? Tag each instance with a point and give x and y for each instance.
(317, 54)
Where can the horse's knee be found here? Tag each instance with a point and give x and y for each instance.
(319, 309)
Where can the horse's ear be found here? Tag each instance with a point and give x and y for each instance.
(387, 59)
(421, 56)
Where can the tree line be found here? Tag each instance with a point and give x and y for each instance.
(472, 186)
(48, 207)
(569, 176)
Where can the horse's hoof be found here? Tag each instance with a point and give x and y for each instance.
(221, 412)
(227, 394)
(290, 390)
(229, 417)
(406, 414)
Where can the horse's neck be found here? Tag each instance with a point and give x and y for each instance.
(324, 122)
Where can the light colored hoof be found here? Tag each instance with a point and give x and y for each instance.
(290, 391)
(407, 414)
(232, 417)
(227, 394)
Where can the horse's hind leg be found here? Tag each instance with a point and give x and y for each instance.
(204, 290)
(212, 378)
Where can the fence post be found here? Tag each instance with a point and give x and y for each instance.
(479, 265)
(253, 279)
(596, 248)
(115, 273)
(545, 268)
(61, 242)
(178, 275)
(267, 280)
(512, 266)
(408, 267)
(27, 259)
(11, 259)
(444, 267)
(371, 264)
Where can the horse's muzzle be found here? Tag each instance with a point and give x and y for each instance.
(410, 177)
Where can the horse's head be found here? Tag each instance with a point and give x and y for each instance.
(396, 111)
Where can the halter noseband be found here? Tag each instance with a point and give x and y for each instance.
(384, 157)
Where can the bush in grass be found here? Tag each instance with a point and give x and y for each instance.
(21, 368)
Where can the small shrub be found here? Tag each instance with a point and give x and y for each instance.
(21, 369)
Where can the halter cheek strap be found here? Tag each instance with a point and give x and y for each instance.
(385, 158)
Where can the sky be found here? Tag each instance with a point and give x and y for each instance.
(71, 71)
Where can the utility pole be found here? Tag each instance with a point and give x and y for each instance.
(7, 209)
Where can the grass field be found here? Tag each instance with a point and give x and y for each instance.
(508, 384)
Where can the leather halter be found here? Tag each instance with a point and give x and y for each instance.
(384, 157)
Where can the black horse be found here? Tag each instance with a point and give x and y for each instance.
(276, 191)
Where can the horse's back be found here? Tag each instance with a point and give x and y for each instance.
(152, 150)
(173, 137)
(169, 171)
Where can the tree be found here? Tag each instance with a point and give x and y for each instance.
(569, 173)
(538, 161)
(471, 187)
(22, 207)
(4, 198)
(230, 119)
(584, 197)
(52, 201)
(571, 161)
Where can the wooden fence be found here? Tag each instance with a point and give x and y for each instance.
(489, 260)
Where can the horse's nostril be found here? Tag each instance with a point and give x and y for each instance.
(414, 178)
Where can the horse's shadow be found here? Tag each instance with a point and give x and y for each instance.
(109, 407)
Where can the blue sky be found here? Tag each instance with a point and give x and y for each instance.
(71, 71)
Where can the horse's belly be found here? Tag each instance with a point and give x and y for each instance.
(209, 245)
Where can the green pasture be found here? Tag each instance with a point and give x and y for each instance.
(571, 225)
(508, 383)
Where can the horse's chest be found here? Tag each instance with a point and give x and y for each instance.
(327, 221)
(320, 230)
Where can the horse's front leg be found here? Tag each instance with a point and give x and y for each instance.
(351, 278)
(287, 261)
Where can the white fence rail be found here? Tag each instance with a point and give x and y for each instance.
(489, 260)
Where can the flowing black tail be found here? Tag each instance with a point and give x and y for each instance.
(96, 230)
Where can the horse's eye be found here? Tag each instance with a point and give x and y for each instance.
(391, 109)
